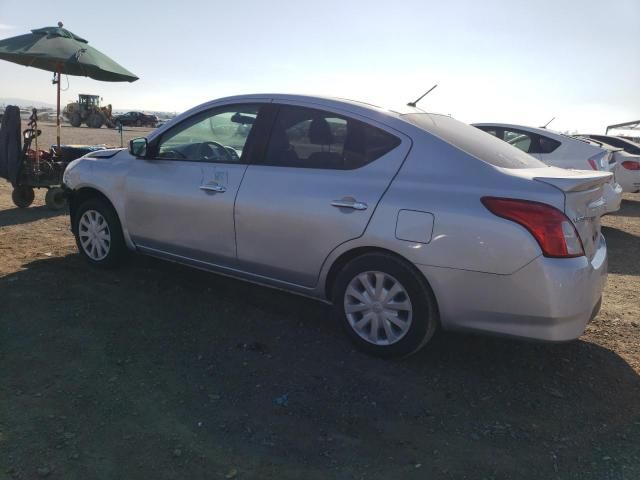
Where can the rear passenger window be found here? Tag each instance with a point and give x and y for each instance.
(310, 138)
(547, 145)
(519, 140)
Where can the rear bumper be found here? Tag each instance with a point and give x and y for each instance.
(629, 180)
(549, 299)
(612, 196)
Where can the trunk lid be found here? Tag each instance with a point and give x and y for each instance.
(584, 193)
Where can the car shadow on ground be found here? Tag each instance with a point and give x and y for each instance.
(19, 216)
(156, 370)
(628, 208)
(624, 251)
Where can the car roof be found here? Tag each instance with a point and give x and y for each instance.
(391, 116)
(355, 106)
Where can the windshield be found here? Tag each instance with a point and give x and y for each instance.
(473, 141)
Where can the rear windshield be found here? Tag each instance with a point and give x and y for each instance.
(474, 141)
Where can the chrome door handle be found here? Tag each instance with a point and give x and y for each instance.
(213, 188)
(349, 204)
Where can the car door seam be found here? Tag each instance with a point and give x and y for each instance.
(375, 208)
(235, 200)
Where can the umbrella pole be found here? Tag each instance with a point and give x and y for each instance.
(58, 115)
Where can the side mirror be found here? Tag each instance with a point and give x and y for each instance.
(138, 147)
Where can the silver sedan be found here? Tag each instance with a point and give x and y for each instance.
(404, 221)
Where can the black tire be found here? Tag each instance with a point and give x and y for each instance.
(75, 120)
(424, 318)
(55, 198)
(95, 120)
(116, 248)
(22, 196)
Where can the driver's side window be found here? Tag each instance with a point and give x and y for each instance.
(218, 135)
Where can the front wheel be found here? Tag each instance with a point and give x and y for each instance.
(75, 119)
(98, 233)
(385, 305)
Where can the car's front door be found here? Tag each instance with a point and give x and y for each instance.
(180, 200)
(316, 187)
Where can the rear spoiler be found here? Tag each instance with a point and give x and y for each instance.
(578, 181)
(601, 144)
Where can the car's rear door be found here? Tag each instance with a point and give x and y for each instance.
(180, 200)
(316, 187)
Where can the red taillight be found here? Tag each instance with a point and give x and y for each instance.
(551, 228)
(593, 164)
(630, 165)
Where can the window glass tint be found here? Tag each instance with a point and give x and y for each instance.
(310, 138)
(215, 136)
(470, 139)
(318, 135)
(520, 140)
(547, 145)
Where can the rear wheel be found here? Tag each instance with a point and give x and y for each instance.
(55, 198)
(98, 233)
(22, 196)
(385, 306)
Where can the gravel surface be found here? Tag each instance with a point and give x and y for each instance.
(159, 371)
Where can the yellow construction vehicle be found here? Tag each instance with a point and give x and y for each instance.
(87, 110)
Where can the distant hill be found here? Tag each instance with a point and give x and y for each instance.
(23, 102)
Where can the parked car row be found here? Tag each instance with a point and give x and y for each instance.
(582, 152)
(627, 158)
(404, 221)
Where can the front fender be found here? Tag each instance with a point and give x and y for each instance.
(101, 177)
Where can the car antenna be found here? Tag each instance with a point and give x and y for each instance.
(413, 104)
(547, 124)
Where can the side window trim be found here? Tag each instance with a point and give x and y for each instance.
(261, 134)
(155, 143)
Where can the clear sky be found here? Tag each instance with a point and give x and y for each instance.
(516, 61)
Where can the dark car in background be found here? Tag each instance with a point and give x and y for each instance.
(136, 119)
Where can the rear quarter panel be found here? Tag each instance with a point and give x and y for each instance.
(448, 183)
(572, 154)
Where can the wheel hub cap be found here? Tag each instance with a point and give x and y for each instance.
(378, 308)
(94, 235)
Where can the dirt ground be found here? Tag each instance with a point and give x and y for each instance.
(86, 136)
(158, 371)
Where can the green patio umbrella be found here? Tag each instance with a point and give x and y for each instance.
(58, 50)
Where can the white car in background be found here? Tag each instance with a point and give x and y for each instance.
(627, 157)
(558, 150)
